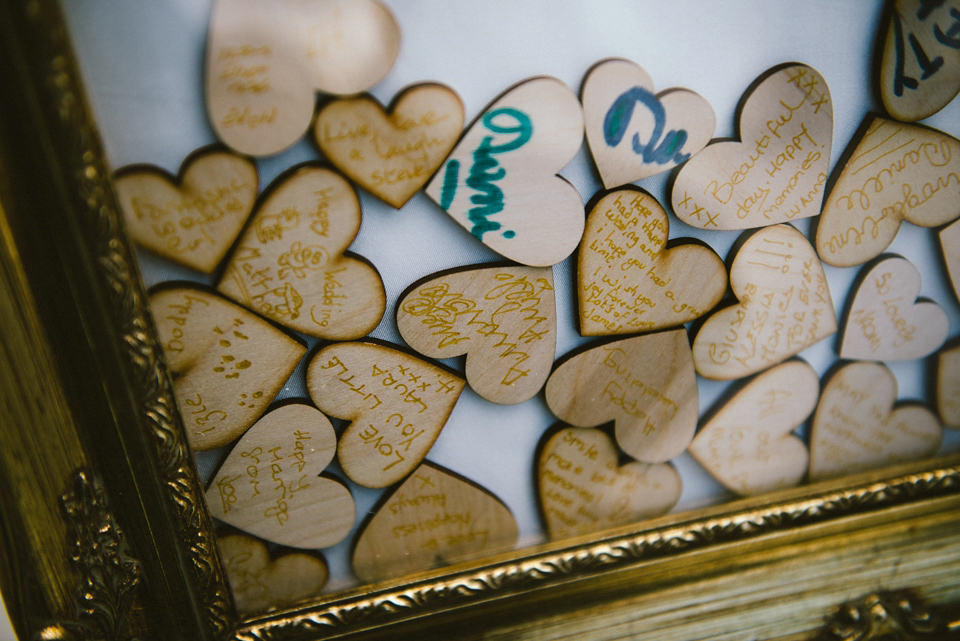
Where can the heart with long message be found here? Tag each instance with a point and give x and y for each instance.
(950, 247)
(228, 364)
(629, 280)
(948, 385)
(633, 132)
(776, 171)
(290, 264)
(501, 184)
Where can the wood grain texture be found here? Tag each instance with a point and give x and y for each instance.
(950, 248)
(947, 390)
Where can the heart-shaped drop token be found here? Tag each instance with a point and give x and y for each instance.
(784, 307)
(503, 318)
(948, 386)
(194, 218)
(583, 489)
(856, 426)
(776, 171)
(747, 444)
(500, 181)
(228, 364)
(397, 405)
(630, 281)
(950, 246)
(885, 323)
(633, 132)
(270, 484)
(646, 384)
(290, 264)
(391, 156)
(434, 518)
(265, 60)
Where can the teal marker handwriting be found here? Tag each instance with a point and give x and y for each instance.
(618, 118)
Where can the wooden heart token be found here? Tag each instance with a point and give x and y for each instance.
(950, 246)
(747, 444)
(228, 364)
(396, 402)
(270, 484)
(885, 323)
(503, 318)
(500, 181)
(583, 489)
(290, 263)
(633, 132)
(629, 280)
(194, 218)
(857, 427)
(948, 386)
(265, 61)
(776, 171)
(434, 518)
(654, 407)
(784, 307)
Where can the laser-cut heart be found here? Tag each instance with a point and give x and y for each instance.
(784, 307)
(634, 133)
(396, 402)
(500, 181)
(948, 386)
(290, 264)
(265, 60)
(630, 281)
(776, 171)
(270, 486)
(646, 384)
(391, 155)
(503, 318)
(194, 218)
(950, 246)
(582, 489)
(857, 426)
(228, 364)
(434, 518)
(747, 444)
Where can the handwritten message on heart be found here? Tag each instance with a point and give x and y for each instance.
(948, 386)
(950, 247)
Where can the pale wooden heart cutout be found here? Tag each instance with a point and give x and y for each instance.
(856, 426)
(896, 172)
(265, 60)
(396, 402)
(391, 155)
(747, 444)
(655, 406)
(194, 218)
(228, 364)
(503, 318)
(776, 171)
(583, 489)
(634, 133)
(270, 486)
(885, 323)
(948, 386)
(784, 307)
(629, 281)
(434, 518)
(500, 181)
(950, 246)
(290, 266)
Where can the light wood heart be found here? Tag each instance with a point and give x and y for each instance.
(290, 264)
(265, 61)
(747, 444)
(950, 246)
(583, 489)
(270, 484)
(629, 280)
(784, 307)
(776, 171)
(391, 155)
(646, 384)
(857, 427)
(896, 172)
(228, 364)
(396, 402)
(503, 318)
(194, 218)
(633, 132)
(948, 386)
(500, 181)
(885, 323)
